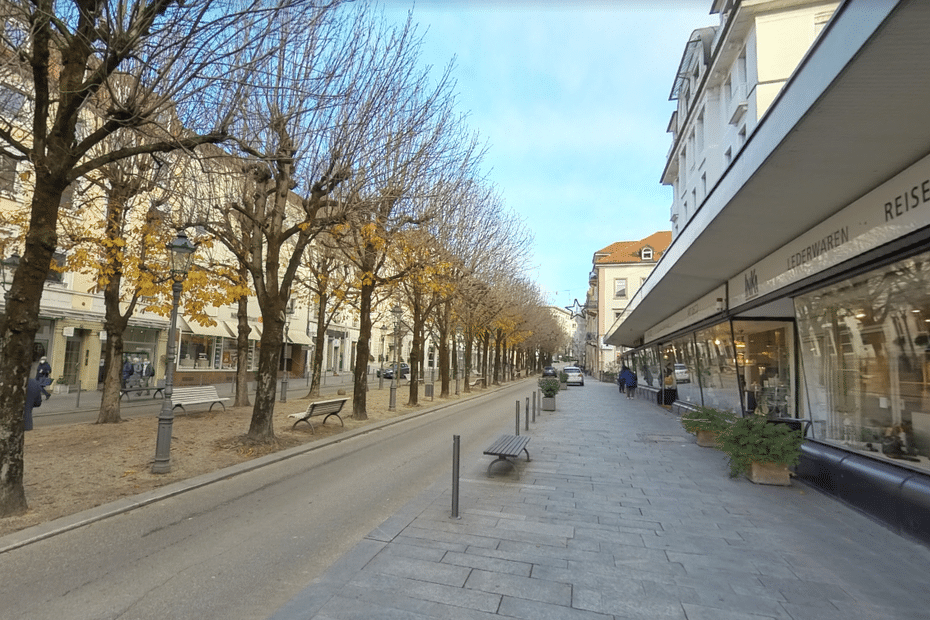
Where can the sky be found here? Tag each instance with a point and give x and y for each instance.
(572, 100)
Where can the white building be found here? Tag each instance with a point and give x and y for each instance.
(797, 284)
(617, 273)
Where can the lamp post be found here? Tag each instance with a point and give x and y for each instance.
(181, 252)
(287, 313)
(396, 311)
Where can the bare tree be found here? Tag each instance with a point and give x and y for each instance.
(109, 68)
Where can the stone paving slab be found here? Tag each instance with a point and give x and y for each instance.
(621, 515)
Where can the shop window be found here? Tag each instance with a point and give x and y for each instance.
(764, 354)
(681, 371)
(865, 352)
(718, 377)
(196, 352)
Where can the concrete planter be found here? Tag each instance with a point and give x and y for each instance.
(548, 403)
(707, 439)
(563, 386)
(769, 473)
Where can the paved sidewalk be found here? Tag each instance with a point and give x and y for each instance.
(620, 515)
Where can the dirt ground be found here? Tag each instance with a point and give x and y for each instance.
(71, 468)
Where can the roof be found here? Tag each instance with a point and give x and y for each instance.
(629, 251)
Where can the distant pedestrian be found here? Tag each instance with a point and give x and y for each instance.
(627, 381)
(33, 399)
(44, 375)
(127, 372)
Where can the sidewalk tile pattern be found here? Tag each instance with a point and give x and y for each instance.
(620, 515)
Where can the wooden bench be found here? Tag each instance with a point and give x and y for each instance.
(507, 447)
(324, 408)
(181, 396)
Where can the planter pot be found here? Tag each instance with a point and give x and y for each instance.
(769, 473)
(548, 403)
(707, 439)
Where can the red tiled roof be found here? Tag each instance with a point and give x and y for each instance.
(628, 251)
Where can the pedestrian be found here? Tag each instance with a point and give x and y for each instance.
(33, 399)
(43, 375)
(127, 372)
(627, 381)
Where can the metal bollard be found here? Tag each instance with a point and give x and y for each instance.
(455, 476)
(526, 416)
(517, 432)
(534, 407)
(77, 403)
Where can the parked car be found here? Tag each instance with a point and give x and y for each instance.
(388, 373)
(550, 371)
(681, 374)
(575, 376)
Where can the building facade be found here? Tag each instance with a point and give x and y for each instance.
(798, 286)
(617, 273)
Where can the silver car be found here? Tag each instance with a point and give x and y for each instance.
(574, 375)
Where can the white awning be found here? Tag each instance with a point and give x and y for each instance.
(194, 327)
(297, 335)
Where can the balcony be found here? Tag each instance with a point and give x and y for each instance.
(738, 104)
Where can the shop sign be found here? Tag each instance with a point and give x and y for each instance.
(707, 306)
(892, 210)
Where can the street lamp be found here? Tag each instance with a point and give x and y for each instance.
(287, 313)
(181, 252)
(396, 311)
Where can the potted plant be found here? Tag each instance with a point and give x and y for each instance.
(707, 423)
(563, 380)
(761, 450)
(549, 386)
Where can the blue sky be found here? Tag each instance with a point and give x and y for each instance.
(572, 99)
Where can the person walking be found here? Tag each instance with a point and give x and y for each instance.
(44, 376)
(627, 381)
(33, 399)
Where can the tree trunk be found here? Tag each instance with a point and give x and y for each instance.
(316, 376)
(468, 353)
(444, 330)
(362, 352)
(416, 349)
(242, 350)
(19, 327)
(262, 424)
(112, 378)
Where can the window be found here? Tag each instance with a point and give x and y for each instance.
(620, 287)
(704, 185)
(741, 136)
(699, 132)
(646, 253)
(11, 101)
(728, 156)
(7, 174)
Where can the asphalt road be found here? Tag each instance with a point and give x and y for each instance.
(242, 547)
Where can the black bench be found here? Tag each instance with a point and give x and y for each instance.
(507, 447)
(324, 408)
(154, 390)
(181, 396)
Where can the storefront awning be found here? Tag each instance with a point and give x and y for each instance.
(218, 330)
(296, 335)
